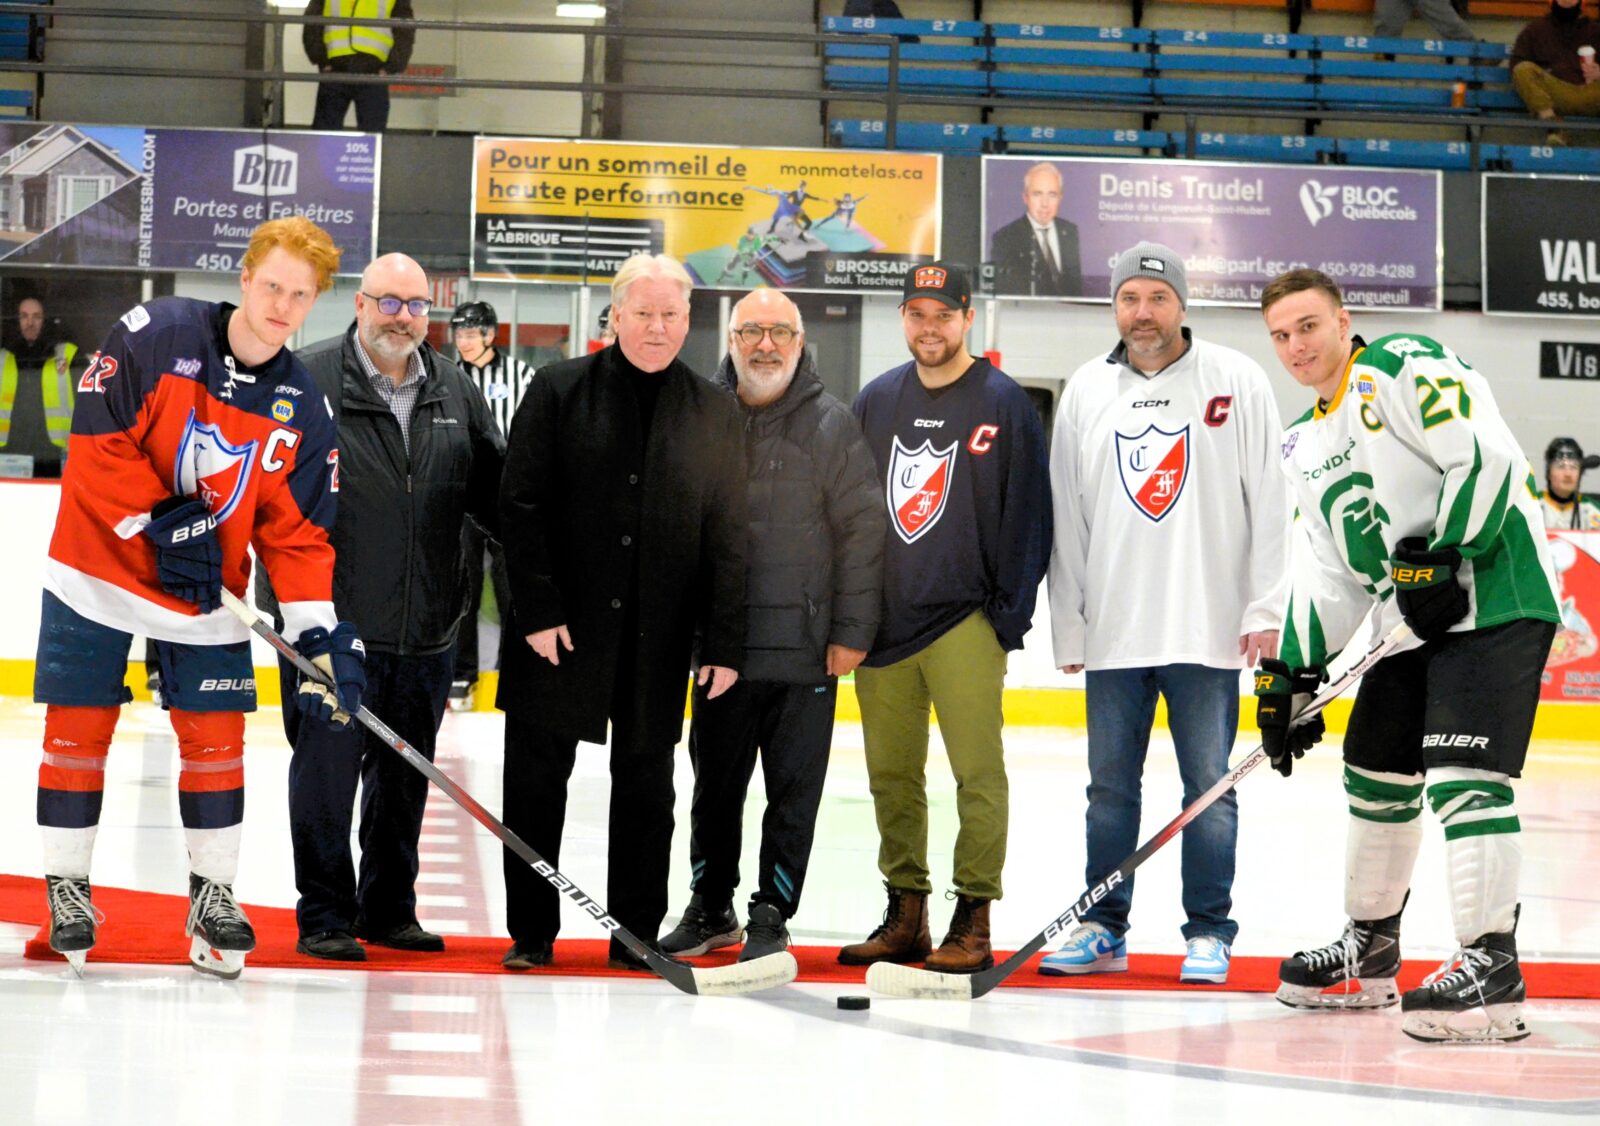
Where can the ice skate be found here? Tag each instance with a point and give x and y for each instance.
(1475, 997)
(1356, 972)
(221, 934)
(72, 919)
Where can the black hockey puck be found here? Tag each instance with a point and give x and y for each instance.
(855, 1002)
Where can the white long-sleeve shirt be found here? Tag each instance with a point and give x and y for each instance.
(1171, 512)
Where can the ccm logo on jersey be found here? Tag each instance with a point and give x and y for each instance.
(1152, 403)
(1217, 409)
(928, 423)
(1455, 741)
(982, 440)
(212, 684)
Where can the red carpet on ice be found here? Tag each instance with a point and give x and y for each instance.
(146, 928)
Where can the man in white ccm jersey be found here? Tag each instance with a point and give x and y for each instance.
(1167, 579)
(1413, 495)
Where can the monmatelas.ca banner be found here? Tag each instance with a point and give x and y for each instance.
(823, 219)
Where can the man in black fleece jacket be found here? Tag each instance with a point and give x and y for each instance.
(812, 598)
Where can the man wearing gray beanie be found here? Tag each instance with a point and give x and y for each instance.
(1168, 578)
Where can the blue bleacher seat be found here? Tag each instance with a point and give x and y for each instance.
(1405, 154)
(1290, 149)
(1543, 158)
(1096, 86)
(869, 25)
(1111, 36)
(1042, 138)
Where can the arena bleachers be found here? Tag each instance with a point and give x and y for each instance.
(1159, 70)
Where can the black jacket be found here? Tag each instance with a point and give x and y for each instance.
(398, 573)
(599, 530)
(1021, 268)
(815, 568)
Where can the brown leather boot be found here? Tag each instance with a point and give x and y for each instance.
(903, 935)
(965, 949)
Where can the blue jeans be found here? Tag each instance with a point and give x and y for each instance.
(1203, 716)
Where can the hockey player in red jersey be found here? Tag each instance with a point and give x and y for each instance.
(195, 435)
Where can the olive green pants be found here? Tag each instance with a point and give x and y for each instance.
(1541, 91)
(961, 676)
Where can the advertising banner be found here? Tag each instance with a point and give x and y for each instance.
(1572, 671)
(126, 197)
(1541, 245)
(801, 219)
(1053, 228)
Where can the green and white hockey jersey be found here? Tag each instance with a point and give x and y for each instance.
(1411, 445)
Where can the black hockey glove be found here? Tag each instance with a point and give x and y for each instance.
(188, 558)
(1426, 589)
(342, 659)
(1280, 694)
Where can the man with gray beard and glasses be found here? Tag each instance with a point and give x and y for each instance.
(812, 596)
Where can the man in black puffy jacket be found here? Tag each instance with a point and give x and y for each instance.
(812, 597)
(418, 451)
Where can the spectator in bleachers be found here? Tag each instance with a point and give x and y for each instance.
(1390, 16)
(36, 391)
(1553, 67)
(1562, 502)
(1036, 255)
(355, 47)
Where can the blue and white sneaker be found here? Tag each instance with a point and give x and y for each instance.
(1090, 949)
(1207, 961)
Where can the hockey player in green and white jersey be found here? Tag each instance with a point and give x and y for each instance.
(1413, 496)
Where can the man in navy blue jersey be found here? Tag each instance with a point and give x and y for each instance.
(962, 455)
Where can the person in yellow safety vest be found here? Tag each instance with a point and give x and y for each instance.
(37, 384)
(357, 46)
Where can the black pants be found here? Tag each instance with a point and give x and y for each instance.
(407, 693)
(792, 726)
(537, 767)
(474, 542)
(334, 98)
(1463, 699)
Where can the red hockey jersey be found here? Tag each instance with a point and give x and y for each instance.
(165, 409)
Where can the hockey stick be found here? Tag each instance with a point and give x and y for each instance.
(908, 981)
(741, 977)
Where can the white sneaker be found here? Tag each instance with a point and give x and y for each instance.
(1207, 961)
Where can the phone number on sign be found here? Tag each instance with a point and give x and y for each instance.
(1402, 271)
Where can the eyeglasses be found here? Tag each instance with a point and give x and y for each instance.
(390, 306)
(751, 334)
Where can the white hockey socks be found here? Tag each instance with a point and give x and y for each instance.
(214, 853)
(1483, 848)
(1385, 833)
(67, 852)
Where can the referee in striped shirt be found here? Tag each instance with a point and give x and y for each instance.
(502, 378)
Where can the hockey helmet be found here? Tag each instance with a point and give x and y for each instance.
(475, 314)
(1567, 449)
(605, 319)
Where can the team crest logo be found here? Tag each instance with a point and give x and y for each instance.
(1154, 466)
(931, 277)
(212, 468)
(919, 485)
(283, 410)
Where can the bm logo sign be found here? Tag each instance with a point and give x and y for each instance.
(266, 170)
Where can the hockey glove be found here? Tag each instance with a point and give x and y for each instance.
(1280, 694)
(188, 558)
(342, 659)
(1426, 588)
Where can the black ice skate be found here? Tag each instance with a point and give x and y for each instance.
(72, 919)
(1475, 996)
(1356, 972)
(221, 934)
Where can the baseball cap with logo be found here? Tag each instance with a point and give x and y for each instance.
(945, 282)
(1151, 260)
